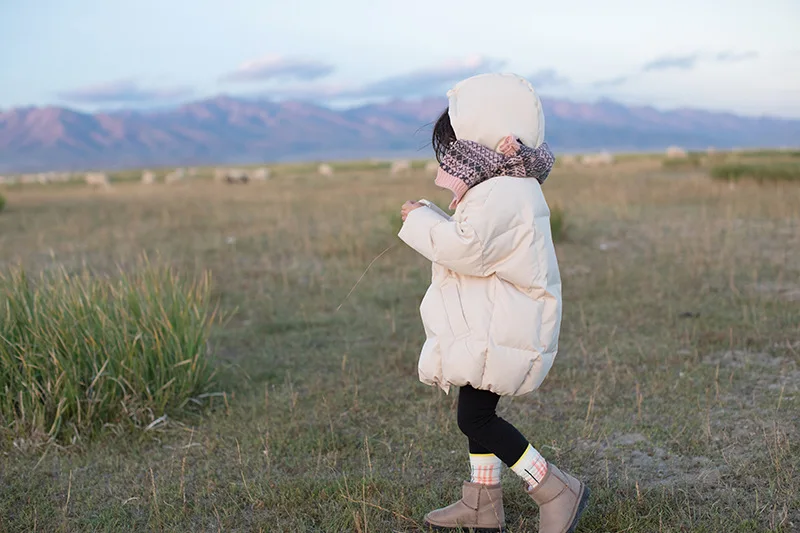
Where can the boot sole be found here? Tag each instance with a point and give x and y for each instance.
(465, 529)
(581, 508)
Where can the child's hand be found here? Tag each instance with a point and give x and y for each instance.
(408, 207)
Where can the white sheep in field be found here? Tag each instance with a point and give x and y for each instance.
(402, 166)
(432, 166)
(148, 177)
(97, 180)
(175, 176)
(325, 170)
(594, 160)
(676, 152)
(236, 175)
(568, 160)
(260, 174)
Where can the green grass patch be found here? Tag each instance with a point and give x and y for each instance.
(2, 202)
(692, 160)
(771, 153)
(776, 171)
(79, 352)
(558, 223)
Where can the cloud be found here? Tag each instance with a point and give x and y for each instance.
(672, 62)
(122, 91)
(276, 67)
(613, 82)
(431, 81)
(734, 57)
(684, 62)
(547, 78)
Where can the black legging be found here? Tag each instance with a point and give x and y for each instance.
(487, 432)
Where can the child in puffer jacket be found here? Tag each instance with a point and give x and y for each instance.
(492, 313)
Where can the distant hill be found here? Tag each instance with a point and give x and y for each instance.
(227, 130)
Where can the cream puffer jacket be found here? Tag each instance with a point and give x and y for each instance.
(492, 313)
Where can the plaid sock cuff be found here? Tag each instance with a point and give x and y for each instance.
(485, 468)
(531, 467)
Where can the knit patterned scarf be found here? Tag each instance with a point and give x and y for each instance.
(467, 163)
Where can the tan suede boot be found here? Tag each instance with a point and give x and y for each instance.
(561, 499)
(479, 510)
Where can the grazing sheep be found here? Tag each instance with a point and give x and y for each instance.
(432, 166)
(594, 160)
(676, 152)
(236, 175)
(325, 170)
(175, 176)
(148, 177)
(97, 180)
(260, 174)
(400, 167)
(568, 160)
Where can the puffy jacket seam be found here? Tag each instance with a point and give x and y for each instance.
(477, 235)
(489, 331)
(527, 374)
(538, 273)
(509, 229)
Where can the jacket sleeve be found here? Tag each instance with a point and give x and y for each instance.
(454, 245)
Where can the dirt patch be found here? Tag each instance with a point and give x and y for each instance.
(742, 359)
(769, 372)
(785, 291)
(633, 458)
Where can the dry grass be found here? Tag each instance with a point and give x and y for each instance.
(675, 393)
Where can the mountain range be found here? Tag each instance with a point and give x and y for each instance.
(227, 130)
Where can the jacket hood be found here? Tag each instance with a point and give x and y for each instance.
(487, 108)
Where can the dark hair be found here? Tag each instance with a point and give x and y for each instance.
(443, 135)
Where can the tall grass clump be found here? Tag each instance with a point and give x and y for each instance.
(558, 223)
(80, 352)
(2, 202)
(761, 172)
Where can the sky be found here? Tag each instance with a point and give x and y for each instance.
(727, 55)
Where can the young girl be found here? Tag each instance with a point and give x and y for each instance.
(492, 313)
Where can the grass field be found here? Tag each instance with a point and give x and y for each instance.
(675, 394)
